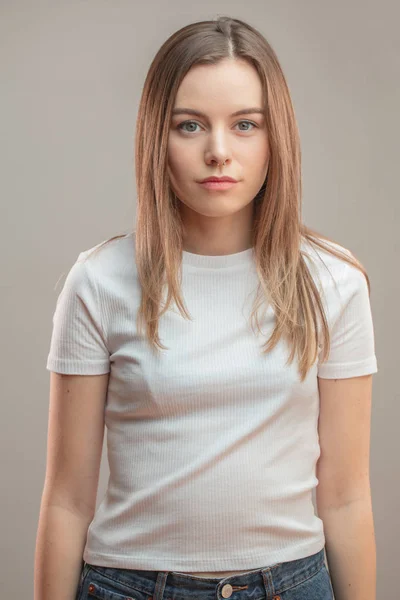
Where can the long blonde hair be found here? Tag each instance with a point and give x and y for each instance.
(277, 231)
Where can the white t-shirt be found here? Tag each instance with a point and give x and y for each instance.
(212, 445)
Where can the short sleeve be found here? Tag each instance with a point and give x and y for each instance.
(78, 344)
(352, 349)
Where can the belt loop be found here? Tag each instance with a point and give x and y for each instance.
(160, 585)
(268, 582)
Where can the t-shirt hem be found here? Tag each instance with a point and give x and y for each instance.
(73, 367)
(250, 561)
(348, 369)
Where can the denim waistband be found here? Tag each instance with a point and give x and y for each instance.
(174, 585)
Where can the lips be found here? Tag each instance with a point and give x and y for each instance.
(220, 179)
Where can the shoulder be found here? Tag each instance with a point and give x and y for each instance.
(327, 264)
(340, 283)
(110, 258)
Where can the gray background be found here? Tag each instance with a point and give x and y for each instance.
(71, 78)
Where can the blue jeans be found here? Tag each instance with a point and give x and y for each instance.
(302, 579)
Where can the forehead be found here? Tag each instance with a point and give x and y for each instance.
(230, 85)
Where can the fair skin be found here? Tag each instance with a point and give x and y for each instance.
(218, 222)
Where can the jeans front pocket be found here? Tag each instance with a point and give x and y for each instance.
(316, 587)
(101, 586)
(85, 570)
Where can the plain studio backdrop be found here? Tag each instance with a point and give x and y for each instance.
(71, 78)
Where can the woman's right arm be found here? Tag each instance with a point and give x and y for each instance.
(74, 448)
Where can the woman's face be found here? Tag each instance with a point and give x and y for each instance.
(238, 143)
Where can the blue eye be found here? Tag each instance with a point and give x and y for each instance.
(181, 125)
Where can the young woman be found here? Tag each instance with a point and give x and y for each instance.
(218, 431)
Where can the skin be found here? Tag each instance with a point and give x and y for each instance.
(218, 222)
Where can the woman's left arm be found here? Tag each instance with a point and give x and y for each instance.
(343, 493)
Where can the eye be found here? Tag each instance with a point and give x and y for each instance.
(249, 122)
(181, 125)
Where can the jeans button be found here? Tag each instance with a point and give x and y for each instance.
(226, 591)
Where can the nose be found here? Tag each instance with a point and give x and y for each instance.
(218, 150)
(220, 161)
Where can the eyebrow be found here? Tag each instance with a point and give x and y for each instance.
(191, 111)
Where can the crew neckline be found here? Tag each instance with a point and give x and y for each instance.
(217, 262)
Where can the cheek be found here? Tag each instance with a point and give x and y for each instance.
(178, 170)
(174, 166)
(260, 159)
(181, 162)
(174, 152)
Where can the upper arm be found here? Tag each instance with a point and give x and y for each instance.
(344, 435)
(75, 440)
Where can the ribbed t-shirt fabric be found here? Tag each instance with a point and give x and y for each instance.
(212, 445)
